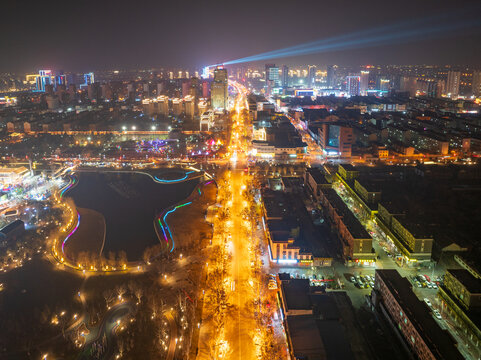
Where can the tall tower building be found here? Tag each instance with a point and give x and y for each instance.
(452, 84)
(353, 85)
(219, 94)
(476, 83)
(285, 76)
(272, 77)
(311, 76)
(44, 78)
(364, 82)
(332, 76)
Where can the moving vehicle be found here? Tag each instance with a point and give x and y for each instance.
(428, 303)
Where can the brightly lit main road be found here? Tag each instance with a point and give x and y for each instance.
(241, 325)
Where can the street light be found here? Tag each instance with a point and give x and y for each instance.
(124, 128)
(134, 127)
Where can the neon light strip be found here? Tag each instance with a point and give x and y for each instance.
(167, 225)
(163, 230)
(174, 180)
(72, 183)
(71, 233)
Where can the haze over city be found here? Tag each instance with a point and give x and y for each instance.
(240, 180)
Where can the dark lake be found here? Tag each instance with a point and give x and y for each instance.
(129, 202)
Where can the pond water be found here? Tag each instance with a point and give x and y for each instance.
(129, 202)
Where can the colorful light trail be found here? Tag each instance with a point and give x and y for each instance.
(174, 180)
(71, 233)
(164, 220)
(69, 186)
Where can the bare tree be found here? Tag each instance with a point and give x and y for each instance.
(108, 296)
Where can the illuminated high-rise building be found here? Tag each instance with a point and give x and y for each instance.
(272, 75)
(452, 84)
(476, 82)
(44, 78)
(189, 105)
(353, 85)
(177, 106)
(285, 76)
(205, 89)
(364, 86)
(60, 79)
(219, 93)
(88, 79)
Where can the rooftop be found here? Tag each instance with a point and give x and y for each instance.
(352, 223)
(472, 284)
(305, 338)
(296, 294)
(317, 175)
(439, 341)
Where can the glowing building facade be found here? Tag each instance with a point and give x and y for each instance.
(219, 89)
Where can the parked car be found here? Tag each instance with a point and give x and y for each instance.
(428, 303)
(437, 314)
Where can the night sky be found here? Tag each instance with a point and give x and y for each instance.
(86, 35)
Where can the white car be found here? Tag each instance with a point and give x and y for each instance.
(437, 314)
(428, 303)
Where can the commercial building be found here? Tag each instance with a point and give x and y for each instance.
(411, 318)
(355, 240)
(292, 238)
(12, 175)
(461, 297)
(272, 75)
(44, 79)
(219, 89)
(315, 180)
(207, 120)
(335, 139)
(407, 233)
(283, 143)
